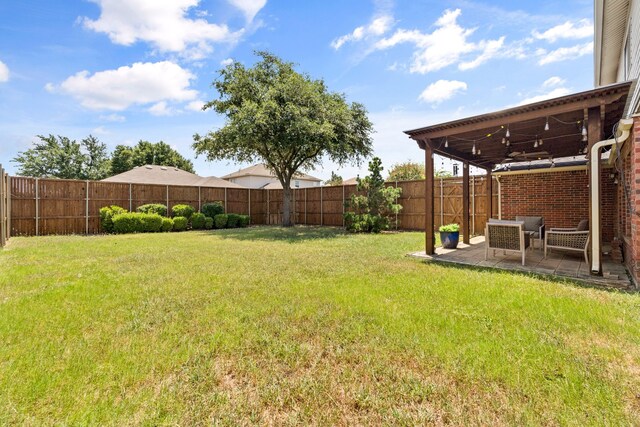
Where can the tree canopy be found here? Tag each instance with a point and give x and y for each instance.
(125, 158)
(334, 180)
(60, 157)
(406, 171)
(285, 119)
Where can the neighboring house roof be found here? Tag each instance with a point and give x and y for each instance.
(261, 170)
(168, 175)
(350, 181)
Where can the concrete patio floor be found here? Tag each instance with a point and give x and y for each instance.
(562, 264)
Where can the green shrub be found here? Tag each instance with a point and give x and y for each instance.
(167, 224)
(183, 210)
(212, 209)
(208, 222)
(365, 223)
(197, 221)
(136, 222)
(179, 223)
(220, 220)
(244, 221)
(151, 222)
(449, 228)
(155, 208)
(232, 221)
(106, 216)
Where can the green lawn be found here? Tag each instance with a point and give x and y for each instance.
(301, 326)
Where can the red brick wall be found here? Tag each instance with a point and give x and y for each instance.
(562, 198)
(629, 204)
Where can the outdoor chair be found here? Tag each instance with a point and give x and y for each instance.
(569, 239)
(508, 236)
(535, 226)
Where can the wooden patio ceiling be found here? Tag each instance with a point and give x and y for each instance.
(598, 110)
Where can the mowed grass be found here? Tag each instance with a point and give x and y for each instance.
(301, 326)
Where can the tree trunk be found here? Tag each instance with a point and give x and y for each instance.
(286, 205)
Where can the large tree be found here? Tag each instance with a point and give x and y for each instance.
(406, 171)
(60, 157)
(285, 119)
(147, 153)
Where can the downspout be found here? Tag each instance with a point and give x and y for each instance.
(624, 129)
(499, 197)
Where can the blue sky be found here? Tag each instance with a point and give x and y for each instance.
(126, 70)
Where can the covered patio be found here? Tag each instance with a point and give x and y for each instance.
(576, 126)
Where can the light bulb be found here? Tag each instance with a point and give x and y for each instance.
(584, 130)
(546, 125)
(508, 134)
(540, 142)
(504, 140)
(446, 143)
(535, 144)
(473, 150)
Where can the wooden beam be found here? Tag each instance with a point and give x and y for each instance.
(489, 194)
(595, 134)
(465, 202)
(428, 200)
(458, 127)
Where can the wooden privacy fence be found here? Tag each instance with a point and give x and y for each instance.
(5, 207)
(57, 206)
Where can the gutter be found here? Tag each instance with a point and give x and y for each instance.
(624, 128)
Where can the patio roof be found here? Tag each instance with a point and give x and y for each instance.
(525, 125)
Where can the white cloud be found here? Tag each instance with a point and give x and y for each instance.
(249, 7)
(569, 30)
(553, 82)
(163, 24)
(377, 27)
(442, 90)
(555, 93)
(112, 118)
(4, 72)
(141, 83)
(446, 45)
(195, 105)
(226, 62)
(100, 130)
(565, 53)
(161, 109)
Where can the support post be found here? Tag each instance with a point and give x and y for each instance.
(86, 209)
(465, 202)
(489, 194)
(595, 134)
(428, 200)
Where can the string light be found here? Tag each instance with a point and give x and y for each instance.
(446, 143)
(540, 142)
(504, 140)
(535, 144)
(546, 125)
(508, 134)
(473, 150)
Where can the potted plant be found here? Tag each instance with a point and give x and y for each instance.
(449, 235)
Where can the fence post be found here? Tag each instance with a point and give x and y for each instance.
(396, 204)
(343, 202)
(305, 206)
(168, 208)
(8, 206)
(86, 209)
(37, 209)
(3, 221)
(131, 202)
(249, 190)
(441, 202)
(199, 201)
(268, 212)
(321, 209)
(225, 199)
(294, 206)
(473, 205)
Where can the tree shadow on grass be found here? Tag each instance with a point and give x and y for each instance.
(297, 234)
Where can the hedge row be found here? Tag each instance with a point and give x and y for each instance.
(149, 218)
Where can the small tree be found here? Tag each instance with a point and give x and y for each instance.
(334, 180)
(406, 171)
(286, 120)
(442, 173)
(370, 209)
(147, 153)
